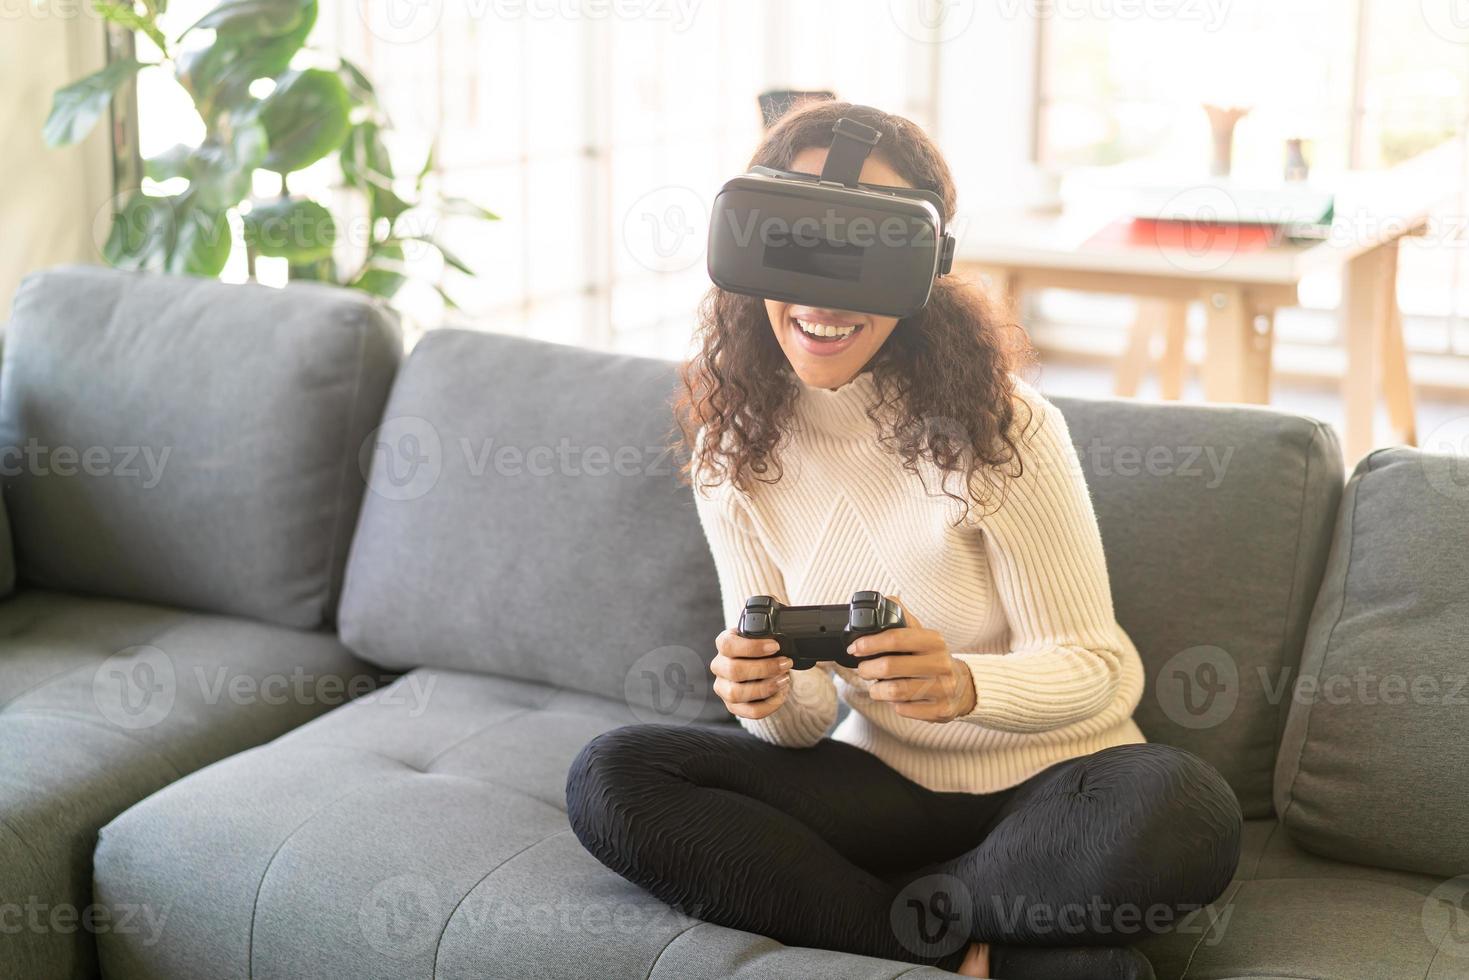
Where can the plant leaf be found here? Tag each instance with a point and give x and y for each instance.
(298, 229)
(384, 203)
(142, 233)
(466, 208)
(322, 270)
(203, 242)
(428, 168)
(76, 108)
(367, 166)
(223, 167)
(220, 170)
(172, 162)
(379, 280)
(448, 300)
(305, 119)
(365, 160)
(218, 76)
(125, 15)
(450, 258)
(168, 234)
(358, 84)
(384, 273)
(256, 18)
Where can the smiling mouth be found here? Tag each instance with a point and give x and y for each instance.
(822, 332)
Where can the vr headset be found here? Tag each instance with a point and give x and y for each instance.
(829, 241)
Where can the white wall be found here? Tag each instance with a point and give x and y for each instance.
(50, 200)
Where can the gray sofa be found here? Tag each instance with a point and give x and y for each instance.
(526, 557)
(177, 467)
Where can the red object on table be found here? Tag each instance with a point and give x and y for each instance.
(1189, 236)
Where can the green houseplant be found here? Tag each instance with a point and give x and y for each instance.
(260, 113)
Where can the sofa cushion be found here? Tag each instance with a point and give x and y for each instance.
(1290, 914)
(1216, 523)
(418, 832)
(101, 703)
(189, 443)
(1372, 767)
(526, 520)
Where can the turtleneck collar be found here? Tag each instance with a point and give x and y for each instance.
(837, 411)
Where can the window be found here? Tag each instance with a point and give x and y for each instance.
(1367, 84)
(1118, 88)
(601, 137)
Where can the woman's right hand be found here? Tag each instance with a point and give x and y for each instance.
(748, 678)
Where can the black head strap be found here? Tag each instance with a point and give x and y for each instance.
(851, 142)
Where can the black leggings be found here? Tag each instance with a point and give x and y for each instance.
(830, 847)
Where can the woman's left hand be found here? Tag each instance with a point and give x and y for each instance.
(912, 668)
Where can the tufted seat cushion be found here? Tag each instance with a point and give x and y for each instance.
(1291, 914)
(101, 703)
(418, 832)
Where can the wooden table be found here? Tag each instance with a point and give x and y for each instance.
(1241, 288)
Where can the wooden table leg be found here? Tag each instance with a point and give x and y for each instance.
(1014, 294)
(1368, 299)
(1168, 317)
(1236, 356)
(1001, 283)
(1173, 366)
(1397, 386)
(1261, 372)
(1137, 357)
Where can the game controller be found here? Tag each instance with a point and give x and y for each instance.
(809, 634)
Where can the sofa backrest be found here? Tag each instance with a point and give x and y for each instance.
(1373, 764)
(186, 442)
(1216, 523)
(524, 518)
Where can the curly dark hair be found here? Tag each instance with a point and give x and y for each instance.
(944, 376)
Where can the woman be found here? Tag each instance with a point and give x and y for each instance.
(988, 805)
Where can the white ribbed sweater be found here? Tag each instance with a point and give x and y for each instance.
(1020, 594)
